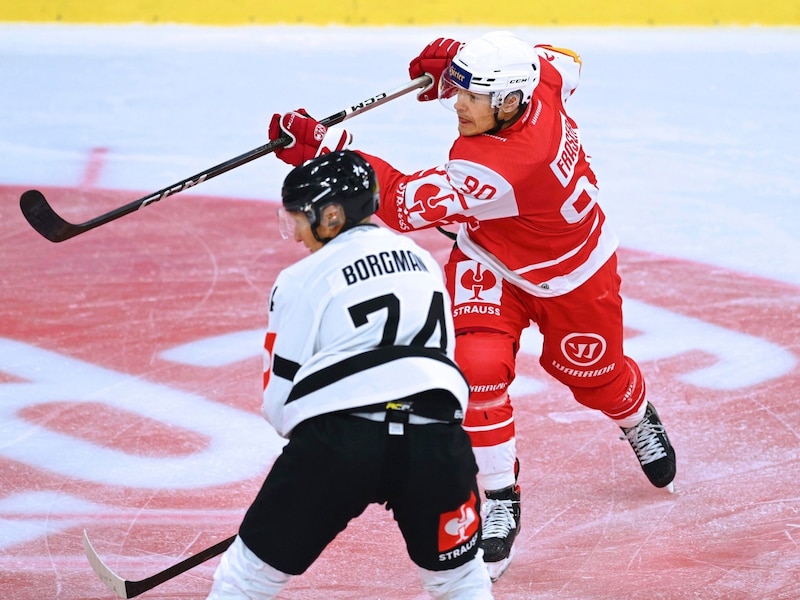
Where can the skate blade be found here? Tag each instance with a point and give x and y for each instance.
(496, 569)
(671, 487)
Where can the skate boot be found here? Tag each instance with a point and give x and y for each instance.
(501, 524)
(652, 447)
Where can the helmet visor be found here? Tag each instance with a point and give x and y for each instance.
(448, 92)
(286, 223)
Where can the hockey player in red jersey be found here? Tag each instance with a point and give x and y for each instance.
(532, 247)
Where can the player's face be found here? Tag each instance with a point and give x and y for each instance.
(475, 113)
(295, 224)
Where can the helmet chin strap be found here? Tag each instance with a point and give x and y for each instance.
(322, 241)
(499, 123)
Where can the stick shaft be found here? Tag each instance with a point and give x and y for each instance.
(49, 224)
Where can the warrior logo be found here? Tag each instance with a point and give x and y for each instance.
(458, 526)
(583, 349)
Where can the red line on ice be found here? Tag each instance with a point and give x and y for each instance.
(94, 165)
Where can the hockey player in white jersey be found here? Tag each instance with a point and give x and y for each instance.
(360, 376)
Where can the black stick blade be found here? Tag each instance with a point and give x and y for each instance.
(44, 219)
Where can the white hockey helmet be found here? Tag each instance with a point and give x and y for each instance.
(497, 63)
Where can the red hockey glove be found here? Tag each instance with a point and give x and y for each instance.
(310, 138)
(434, 60)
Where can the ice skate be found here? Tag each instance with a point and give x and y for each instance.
(653, 449)
(501, 524)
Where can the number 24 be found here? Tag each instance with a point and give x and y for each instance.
(360, 312)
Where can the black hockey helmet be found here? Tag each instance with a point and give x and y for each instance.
(343, 177)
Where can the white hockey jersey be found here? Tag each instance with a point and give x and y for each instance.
(363, 320)
(526, 197)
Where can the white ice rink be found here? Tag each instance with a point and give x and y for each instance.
(695, 138)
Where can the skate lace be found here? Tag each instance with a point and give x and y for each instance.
(499, 520)
(646, 443)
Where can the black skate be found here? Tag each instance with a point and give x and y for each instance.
(501, 524)
(652, 447)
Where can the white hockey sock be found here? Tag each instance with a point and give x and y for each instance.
(496, 465)
(634, 418)
(470, 581)
(241, 575)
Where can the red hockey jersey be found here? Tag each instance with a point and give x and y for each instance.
(525, 198)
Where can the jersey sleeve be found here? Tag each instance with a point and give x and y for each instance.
(288, 344)
(460, 191)
(389, 180)
(566, 62)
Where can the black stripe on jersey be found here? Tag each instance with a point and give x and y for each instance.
(361, 362)
(283, 367)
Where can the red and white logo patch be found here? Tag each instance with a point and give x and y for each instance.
(459, 526)
(430, 203)
(476, 283)
(269, 344)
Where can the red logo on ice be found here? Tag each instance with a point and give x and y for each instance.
(458, 526)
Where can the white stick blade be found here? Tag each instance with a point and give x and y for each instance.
(107, 576)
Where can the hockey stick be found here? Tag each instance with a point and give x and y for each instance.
(446, 233)
(49, 224)
(130, 589)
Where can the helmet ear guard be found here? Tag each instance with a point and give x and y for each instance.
(332, 215)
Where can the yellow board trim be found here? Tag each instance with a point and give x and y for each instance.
(516, 13)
